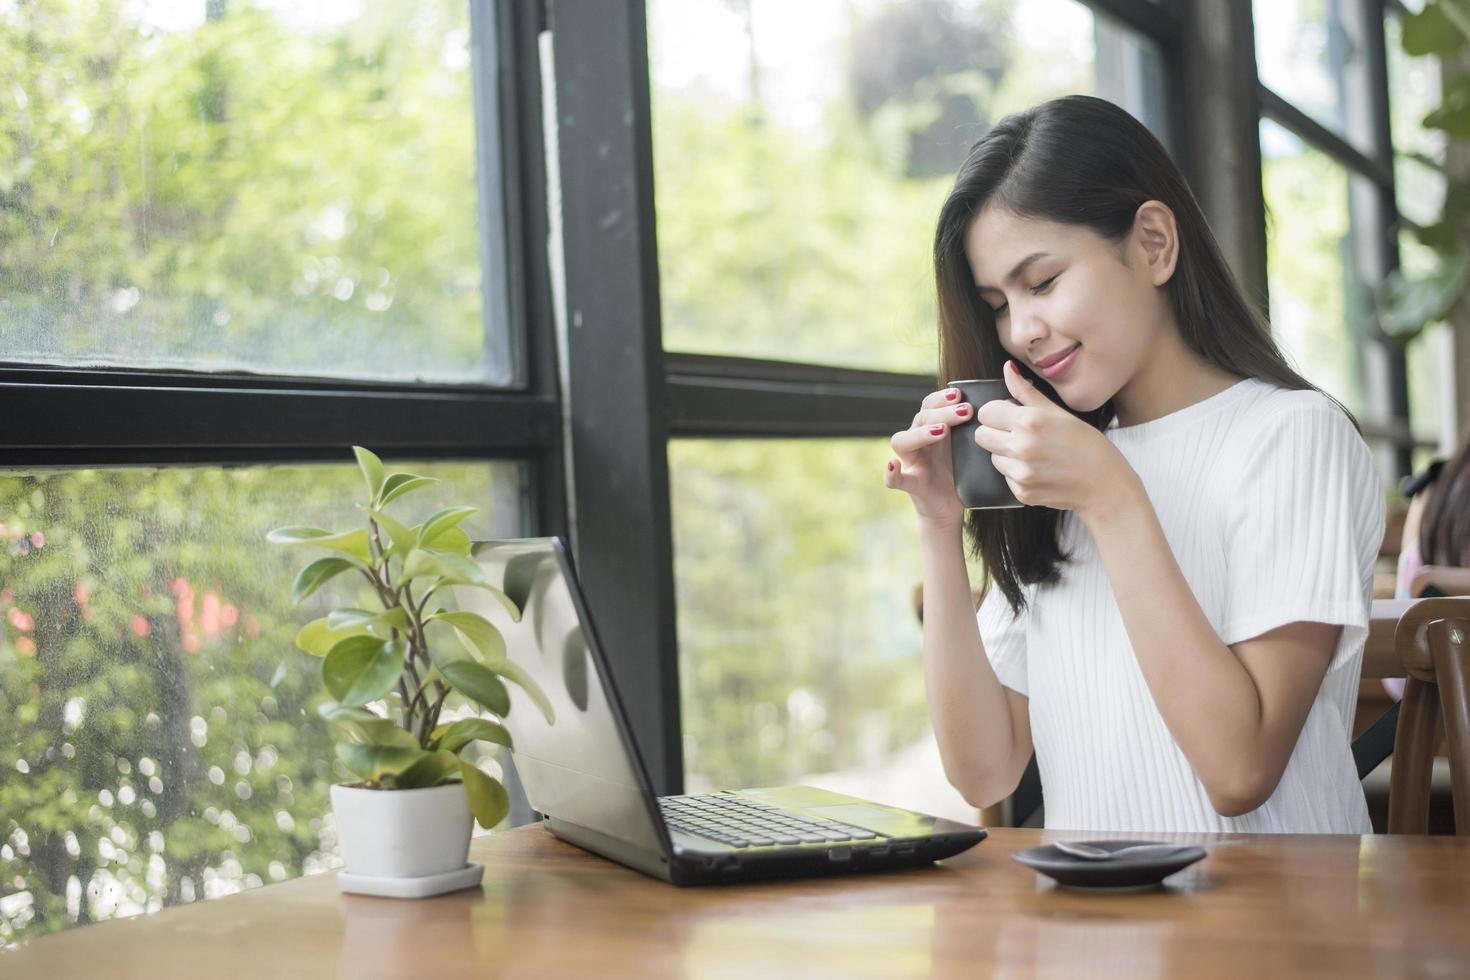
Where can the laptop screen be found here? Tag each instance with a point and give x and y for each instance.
(583, 768)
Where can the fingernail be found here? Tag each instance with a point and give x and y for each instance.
(936, 430)
(951, 395)
(962, 410)
(890, 466)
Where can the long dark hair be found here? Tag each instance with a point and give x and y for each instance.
(1444, 535)
(1081, 161)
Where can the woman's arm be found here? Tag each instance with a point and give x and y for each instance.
(1236, 711)
(983, 729)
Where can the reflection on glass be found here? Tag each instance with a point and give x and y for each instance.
(1413, 91)
(158, 736)
(799, 647)
(802, 150)
(245, 186)
(1316, 293)
(1304, 54)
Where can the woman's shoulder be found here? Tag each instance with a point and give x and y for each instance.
(1269, 409)
(1295, 427)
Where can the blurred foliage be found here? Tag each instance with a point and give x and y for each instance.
(1318, 302)
(776, 245)
(1410, 301)
(158, 742)
(241, 194)
(798, 639)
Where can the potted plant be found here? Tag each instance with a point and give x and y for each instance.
(390, 669)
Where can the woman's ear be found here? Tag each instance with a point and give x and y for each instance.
(1157, 234)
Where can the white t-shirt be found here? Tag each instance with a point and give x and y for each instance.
(1272, 507)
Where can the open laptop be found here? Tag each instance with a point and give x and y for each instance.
(584, 774)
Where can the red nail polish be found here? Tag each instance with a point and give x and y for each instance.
(936, 430)
(890, 466)
(951, 395)
(962, 411)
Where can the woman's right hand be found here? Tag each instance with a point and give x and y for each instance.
(924, 468)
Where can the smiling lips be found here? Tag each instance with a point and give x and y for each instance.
(1056, 364)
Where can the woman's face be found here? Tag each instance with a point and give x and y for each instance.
(1067, 304)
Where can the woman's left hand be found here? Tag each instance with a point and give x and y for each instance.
(1049, 456)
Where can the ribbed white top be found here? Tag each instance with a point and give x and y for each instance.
(1272, 506)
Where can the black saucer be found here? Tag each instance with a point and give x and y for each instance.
(1125, 872)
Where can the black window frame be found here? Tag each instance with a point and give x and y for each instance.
(83, 417)
(1369, 157)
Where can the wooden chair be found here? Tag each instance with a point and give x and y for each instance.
(1426, 641)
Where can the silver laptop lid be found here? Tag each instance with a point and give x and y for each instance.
(584, 768)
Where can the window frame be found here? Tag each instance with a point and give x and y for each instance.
(115, 416)
(1384, 366)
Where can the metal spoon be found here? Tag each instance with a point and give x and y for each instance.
(1091, 852)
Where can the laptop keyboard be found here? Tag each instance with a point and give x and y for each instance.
(741, 822)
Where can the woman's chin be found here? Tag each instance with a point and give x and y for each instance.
(1079, 399)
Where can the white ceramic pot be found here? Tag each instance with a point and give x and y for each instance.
(403, 833)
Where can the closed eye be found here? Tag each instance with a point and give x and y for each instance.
(1037, 290)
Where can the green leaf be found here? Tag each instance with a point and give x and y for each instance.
(456, 735)
(488, 799)
(399, 484)
(506, 601)
(478, 631)
(443, 521)
(317, 574)
(332, 711)
(346, 619)
(433, 769)
(1408, 305)
(1430, 31)
(374, 763)
(401, 535)
(513, 672)
(297, 534)
(378, 731)
(456, 570)
(362, 668)
(451, 539)
(354, 543)
(1453, 113)
(476, 683)
(372, 471)
(317, 637)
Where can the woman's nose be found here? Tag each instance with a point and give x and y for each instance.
(1029, 327)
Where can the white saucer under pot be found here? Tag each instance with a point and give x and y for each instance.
(409, 843)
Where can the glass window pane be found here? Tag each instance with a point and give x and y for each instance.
(1318, 298)
(1413, 91)
(272, 187)
(799, 647)
(802, 151)
(158, 736)
(1305, 55)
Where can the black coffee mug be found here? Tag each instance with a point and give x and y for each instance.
(979, 484)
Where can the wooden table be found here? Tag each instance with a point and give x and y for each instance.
(1271, 906)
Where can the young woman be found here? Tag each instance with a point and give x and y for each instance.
(1178, 613)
